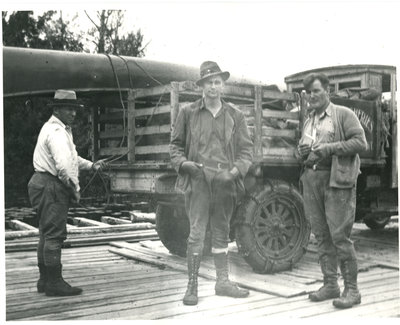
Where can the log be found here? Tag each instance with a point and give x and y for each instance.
(115, 221)
(19, 225)
(10, 235)
(78, 221)
(138, 216)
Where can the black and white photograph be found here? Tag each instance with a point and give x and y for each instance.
(200, 161)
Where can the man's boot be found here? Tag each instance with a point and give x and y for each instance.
(56, 286)
(42, 279)
(224, 287)
(353, 296)
(330, 289)
(193, 260)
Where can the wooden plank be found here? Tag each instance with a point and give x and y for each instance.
(257, 123)
(153, 91)
(278, 152)
(131, 126)
(112, 117)
(254, 281)
(268, 113)
(116, 151)
(143, 150)
(153, 129)
(174, 103)
(138, 216)
(393, 107)
(112, 134)
(279, 133)
(95, 131)
(273, 94)
(161, 109)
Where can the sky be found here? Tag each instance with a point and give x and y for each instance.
(261, 40)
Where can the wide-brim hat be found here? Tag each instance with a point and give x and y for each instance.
(64, 97)
(211, 69)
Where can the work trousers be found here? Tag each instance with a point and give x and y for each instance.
(50, 198)
(331, 212)
(210, 200)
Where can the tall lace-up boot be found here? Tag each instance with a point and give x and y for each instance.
(330, 289)
(193, 261)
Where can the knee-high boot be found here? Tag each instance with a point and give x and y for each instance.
(330, 289)
(224, 287)
(352, 297)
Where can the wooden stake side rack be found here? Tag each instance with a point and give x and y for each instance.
(135, 136)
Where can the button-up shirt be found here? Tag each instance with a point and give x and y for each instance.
(212, 135)
(319, 129)
(55, 153)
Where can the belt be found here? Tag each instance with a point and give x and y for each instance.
(317, 167)
(215, 165)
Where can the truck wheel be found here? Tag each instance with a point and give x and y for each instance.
(272, 232)
(172, 226)
(377, 222)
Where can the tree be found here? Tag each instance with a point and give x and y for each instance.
(107, 38)
(22, 29)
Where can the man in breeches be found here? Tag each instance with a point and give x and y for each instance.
(212, 151)
(53, 186)
(331, 141)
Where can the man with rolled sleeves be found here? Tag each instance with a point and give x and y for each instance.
(331, 141)
(212, 151)
(53, 186)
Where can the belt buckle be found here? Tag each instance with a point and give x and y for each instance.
(219, 166)
(314, 167)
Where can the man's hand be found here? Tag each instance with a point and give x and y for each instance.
(304, 150)
(323, 150)
(76, 197)
(190, 167)
(99, 165)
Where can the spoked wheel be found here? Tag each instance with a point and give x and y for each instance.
(272, 231)
(172, 225)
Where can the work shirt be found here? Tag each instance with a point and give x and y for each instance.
(319, 129)
(212, 131)
(55, 153)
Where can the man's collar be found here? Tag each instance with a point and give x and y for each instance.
(54, 119)
(327, 111)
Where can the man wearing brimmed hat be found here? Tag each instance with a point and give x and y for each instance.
(212, 151)
(54, 184)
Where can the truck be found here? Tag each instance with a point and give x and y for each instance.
(134, 104)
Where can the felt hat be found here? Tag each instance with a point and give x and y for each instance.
(64, 97)
(210, 69)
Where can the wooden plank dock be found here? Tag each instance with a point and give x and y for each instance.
(122, 288)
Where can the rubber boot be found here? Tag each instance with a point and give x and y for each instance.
(56, 286)
(42, 278)
(353, 296)
(224, 287)
(193, 261)
(330, 289)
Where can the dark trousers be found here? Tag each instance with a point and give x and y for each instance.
(210, 200)
(50, 198)
(331, 212)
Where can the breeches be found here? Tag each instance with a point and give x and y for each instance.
(50, 198)
(210, 201)
(331, 212)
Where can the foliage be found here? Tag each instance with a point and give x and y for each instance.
(21, 29)
(106, 35)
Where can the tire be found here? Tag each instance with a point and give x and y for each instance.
(272, 232)
(172, 226)
(378, 221)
